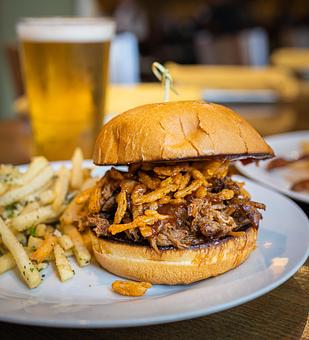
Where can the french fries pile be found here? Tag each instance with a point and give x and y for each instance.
(31, 204)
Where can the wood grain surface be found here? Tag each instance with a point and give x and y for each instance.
(280, 314)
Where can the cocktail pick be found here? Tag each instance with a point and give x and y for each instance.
(165, 78)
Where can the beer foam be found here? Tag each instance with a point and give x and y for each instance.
(66, 29)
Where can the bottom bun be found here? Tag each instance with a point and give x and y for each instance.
(174, 266)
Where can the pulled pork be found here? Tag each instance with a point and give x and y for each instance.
(176, 205)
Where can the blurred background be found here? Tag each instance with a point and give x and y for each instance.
(215, 32)
(250, 55)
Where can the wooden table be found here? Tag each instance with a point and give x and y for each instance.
(280, 314)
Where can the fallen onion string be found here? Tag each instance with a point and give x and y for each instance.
(163, 75)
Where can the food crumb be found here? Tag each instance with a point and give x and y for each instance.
(130, 288)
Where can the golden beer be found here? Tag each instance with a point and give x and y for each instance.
(65, 63)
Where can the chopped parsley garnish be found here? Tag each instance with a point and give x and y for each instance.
(32, 231)
(9, 210)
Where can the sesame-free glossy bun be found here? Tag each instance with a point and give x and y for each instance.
(174, 266)
(175, 131)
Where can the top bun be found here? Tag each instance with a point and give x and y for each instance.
(175, 131)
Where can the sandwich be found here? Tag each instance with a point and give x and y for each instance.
(172, 214)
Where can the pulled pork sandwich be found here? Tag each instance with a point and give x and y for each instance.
(175, 216)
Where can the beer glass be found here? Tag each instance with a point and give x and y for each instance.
(65, 66)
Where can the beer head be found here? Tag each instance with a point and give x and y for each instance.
(66, 29)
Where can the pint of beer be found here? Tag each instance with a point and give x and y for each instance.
(65, 64)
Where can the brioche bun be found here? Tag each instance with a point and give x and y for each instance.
(174, 266)
(175, 131)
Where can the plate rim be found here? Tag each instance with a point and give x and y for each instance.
(157, 320)
(180, 316)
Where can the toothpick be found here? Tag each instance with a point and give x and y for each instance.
(166, 79)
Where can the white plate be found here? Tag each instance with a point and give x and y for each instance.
(284, 145)
(87, 299)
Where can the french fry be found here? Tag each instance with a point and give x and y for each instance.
(86, 173)
(77, 169)
(49, 231)
(46, 197)
(30, 207)
(16, 194)
(71, 213)
(21, 237)
(28, 251)
(64, 268)
(50, 257)
(41, 266)
(44, 250)
(89, 183)
(33, 218)
(61, 188)
(34, 243)
(65, 242)
(7, 262)
(35, 167)
(10, 211)
(9, 175)
(40, 230)
(84, 196)
(87, 240)
(36, 195)
(68, 252)
(81, 253)
(3, 188)
(29, 273)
